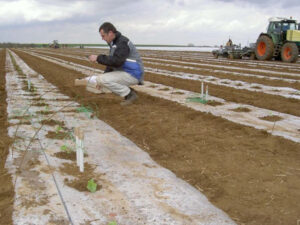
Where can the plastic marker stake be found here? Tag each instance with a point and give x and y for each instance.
(81, 163)
(29, 84)
(206, 94)
(76, 131)
(79, 148)
(202, 90)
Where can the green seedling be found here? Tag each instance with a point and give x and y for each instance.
(58, 128)
(63, 148)
(46, 108)
(66, 148)
(112, 223)
(71, 136)
(67, 135)
(87, 110)
(17, 112)
(84, 109)
(91, 186)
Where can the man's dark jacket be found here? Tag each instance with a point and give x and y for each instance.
(123, 56)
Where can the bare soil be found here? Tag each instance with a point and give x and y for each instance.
(6, 187)
(271, 118)
(250, 174)
(52, 122)
(66, 155)
(241, 109)
(213, 103)
(60, 135)
(81, 179)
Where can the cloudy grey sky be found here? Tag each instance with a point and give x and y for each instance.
(201, 22)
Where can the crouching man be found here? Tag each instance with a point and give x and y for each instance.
(124, 64)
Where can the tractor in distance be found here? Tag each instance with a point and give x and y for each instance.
(281, 42)
(54, 44)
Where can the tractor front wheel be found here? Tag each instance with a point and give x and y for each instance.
(289, 52)
(252, 56)
(264, 48)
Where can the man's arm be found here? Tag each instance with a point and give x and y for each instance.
(108, 69)
(93, 58)
(118, 58)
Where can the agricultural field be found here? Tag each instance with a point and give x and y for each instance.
(237, 143)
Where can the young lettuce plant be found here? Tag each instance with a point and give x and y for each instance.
(91, 186)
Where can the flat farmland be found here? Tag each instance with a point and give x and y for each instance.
(240, 148)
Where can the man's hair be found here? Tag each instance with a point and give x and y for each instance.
(107, 26)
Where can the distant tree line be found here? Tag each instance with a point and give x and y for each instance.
(19, 45)
(55, 44)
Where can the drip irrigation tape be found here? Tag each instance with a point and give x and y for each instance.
(57, 187)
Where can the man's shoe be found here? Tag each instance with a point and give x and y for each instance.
(130, 98)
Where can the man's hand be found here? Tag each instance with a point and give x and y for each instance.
(93, 58)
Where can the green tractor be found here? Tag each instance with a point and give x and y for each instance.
(281, 42)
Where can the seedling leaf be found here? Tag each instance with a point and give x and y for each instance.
(112, 223)
(64, 148)
(87, 110)
(58, 128)
(91, 186)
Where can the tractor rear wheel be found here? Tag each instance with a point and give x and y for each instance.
(264, 48)
(289, 52)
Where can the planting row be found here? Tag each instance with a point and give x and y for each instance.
(201, 57)
(252, 94)
(260, 67)
(267, 78)
(286, 125)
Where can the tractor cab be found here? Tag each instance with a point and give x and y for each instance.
(278, 28)
(281, 42)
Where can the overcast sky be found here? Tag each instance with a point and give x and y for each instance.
(201, 22)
